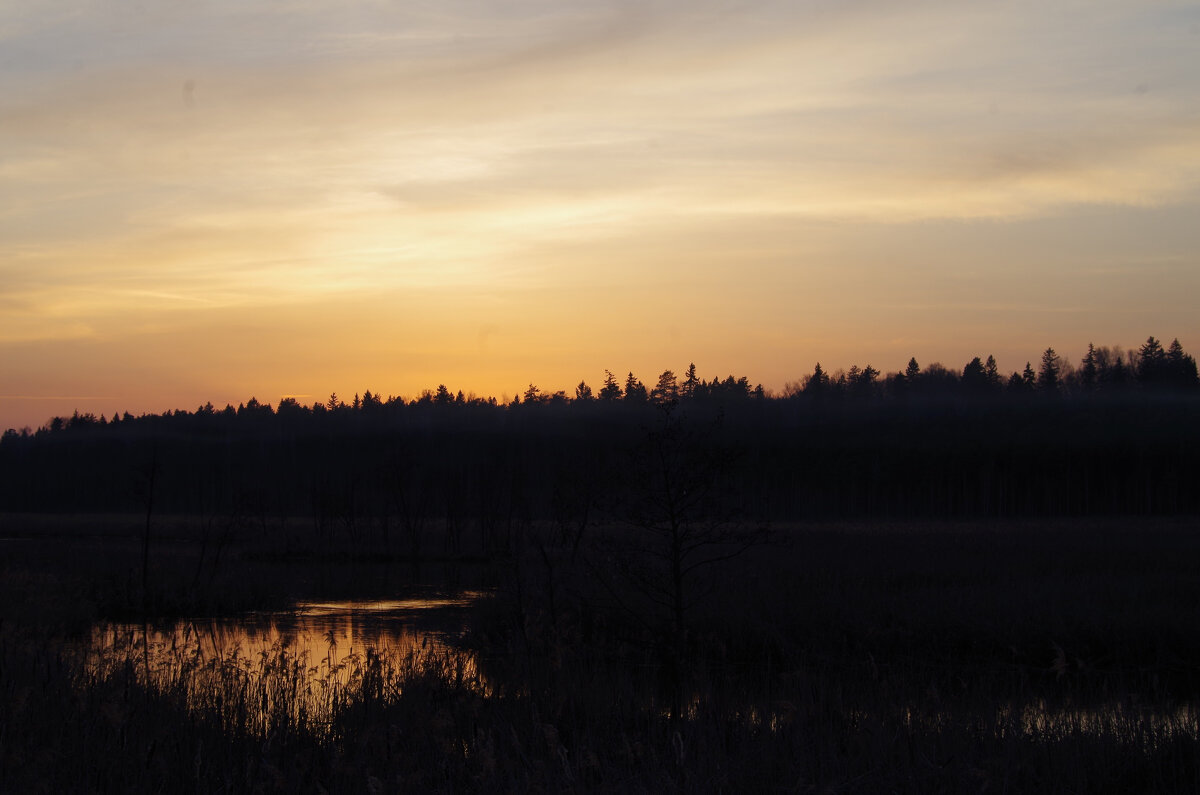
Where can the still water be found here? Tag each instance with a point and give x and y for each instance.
(304, 663)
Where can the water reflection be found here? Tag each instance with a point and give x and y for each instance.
(300, 666)
(399, 608)
(1150, 726)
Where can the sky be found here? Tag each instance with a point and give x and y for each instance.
(214, 200)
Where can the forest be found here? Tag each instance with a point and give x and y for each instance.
(1117, 434)
(935, 580)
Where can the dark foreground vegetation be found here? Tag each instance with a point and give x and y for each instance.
(928, 582)
(1020, 657)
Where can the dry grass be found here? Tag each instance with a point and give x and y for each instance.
(1037, 658)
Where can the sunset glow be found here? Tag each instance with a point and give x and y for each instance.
(205, 202)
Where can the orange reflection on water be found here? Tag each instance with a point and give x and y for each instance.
(303, 665)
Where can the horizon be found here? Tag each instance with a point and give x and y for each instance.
(204, 204)
(346, 398)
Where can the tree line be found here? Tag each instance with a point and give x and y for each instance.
(1118, 434)
(1103, 370)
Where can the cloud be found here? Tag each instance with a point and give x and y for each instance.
(609, 101)
(224, 159)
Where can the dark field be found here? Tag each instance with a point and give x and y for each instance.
(1034, 656)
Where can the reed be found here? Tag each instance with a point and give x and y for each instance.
(856, 659)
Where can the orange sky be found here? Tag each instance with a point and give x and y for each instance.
(205, 202)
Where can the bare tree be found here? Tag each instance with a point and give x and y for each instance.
(679, 518)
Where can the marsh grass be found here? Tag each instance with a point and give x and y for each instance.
(948, 658)
(278, 690)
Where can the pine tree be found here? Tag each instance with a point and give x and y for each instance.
(666, 390)
(635, 390)
(992, 373)
(974, 376)
(690, 382)
(1088, 373)
(912, 371)
(611, 389)
(1152, 363)
(1181, 368)
(818, 382)
(1047, 379)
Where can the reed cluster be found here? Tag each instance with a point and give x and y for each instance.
(843, 659)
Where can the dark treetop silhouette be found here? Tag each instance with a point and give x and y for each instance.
(1117, 434)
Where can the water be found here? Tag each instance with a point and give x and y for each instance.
(321, 631)
(304, 663)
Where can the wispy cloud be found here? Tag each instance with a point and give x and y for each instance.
(163, 163)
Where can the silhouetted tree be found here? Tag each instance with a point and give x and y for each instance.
(1152, 363)
(583, 393)
(728, 390)
(533, 395)
(1089, 373)
(936, 379)
(1113, 369)
(690, 383)
(85, 420)
(611, 390)
(635, 390)
(666, 390)
(1158, 368)
(863, 383)
(974, 377)
(912, 371)
(1121, 372)
(290, 407)
(992, 374)
(255, 410)
(1028, 376)
(1047, 379)
(677, 498)
(817, 384)
(1181, 368)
